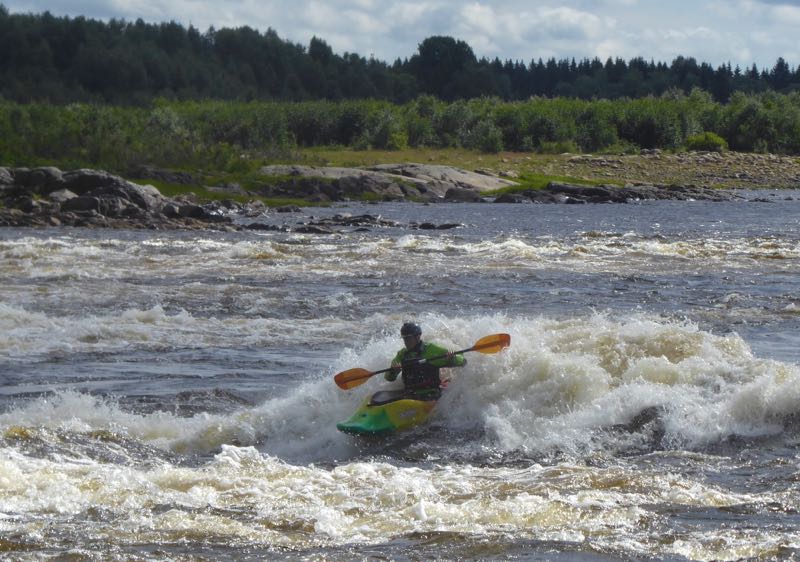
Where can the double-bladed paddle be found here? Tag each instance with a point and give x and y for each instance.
(352, 378)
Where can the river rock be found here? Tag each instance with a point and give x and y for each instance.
(5, 177)
(190, 210)
(95, 198)
(512, 198)
(61, 195)
(47, 196)
(334, 184)
(84, 180)
(38, 180)
(446, 177)
(388, 182)
(558, 192)
(81, 204)
(461, 195)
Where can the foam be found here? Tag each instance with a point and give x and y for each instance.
(560, 386)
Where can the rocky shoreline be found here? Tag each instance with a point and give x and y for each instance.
(43, 197)
(50, 197)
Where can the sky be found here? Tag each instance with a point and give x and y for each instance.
(739, 32)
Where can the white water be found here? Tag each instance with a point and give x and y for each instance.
(561, 385)
(173, 392)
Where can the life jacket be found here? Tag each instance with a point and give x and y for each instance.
(418, 376)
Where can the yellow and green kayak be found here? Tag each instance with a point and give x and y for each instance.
(386, 412)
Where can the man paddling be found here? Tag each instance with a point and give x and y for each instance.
(420, 363)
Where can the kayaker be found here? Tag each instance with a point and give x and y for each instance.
(421, 378)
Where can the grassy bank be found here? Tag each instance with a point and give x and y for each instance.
(728, 170)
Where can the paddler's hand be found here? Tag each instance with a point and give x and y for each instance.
(392, 375)
(451, 359)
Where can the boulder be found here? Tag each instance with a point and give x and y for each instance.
(46, 179)
(28, 205)
(461, 195)
(192, 211)
(61, 195)
(445, 176)
(252, 209)
(82, 181)
(6, 178)
(146, 197)
(338, 184)
(557, 192)
(119, 207)
(171, 210)
(512, 198)
(81, 204)
(419, 182)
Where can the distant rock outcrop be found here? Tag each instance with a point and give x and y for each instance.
(387, 182)
(557, 192)
(47, 196)
(95, 198)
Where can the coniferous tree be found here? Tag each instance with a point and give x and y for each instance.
(62, 59)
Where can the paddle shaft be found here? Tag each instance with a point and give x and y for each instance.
(425, 360)
(420, 360)
(488, 344)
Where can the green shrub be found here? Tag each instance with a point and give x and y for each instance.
(595, 129)
(486, 137)
(385, 131)
(419, 131)
(707, 141)
(452, 124)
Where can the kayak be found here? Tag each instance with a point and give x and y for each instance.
(386, 412)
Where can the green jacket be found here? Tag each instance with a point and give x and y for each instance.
(421, 378)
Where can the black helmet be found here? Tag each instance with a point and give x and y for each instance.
(410, 329)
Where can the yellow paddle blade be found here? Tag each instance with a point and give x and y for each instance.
(351, 378)
(492, 344)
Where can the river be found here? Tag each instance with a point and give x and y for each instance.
(170, 395)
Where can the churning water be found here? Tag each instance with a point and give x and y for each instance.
(169, 395)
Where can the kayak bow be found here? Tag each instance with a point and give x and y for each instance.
(386, 412)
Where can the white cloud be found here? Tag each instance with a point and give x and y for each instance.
(609, 48)
(361, 22)
(320, 15)
(787, 15)
(408, 13)
(480, 18)
(567, 22)
(781, 2)
(714, 31)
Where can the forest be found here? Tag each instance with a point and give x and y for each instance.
(77, 92)
(62, 60)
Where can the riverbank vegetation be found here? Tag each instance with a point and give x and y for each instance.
(240, 136)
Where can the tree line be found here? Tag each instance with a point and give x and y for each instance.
(62, 60)
(239, 136)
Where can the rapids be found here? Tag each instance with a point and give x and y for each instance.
(169, 394)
